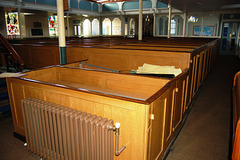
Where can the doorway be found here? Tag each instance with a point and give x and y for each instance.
(148, 26)
(229, 38)
(77, 30)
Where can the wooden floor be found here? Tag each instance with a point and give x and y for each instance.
(205, 135)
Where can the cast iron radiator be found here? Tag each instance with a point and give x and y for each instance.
(57, 132)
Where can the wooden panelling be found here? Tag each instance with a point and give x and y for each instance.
(38, 56)
(132, 116)
(120, 59)
(150, 110)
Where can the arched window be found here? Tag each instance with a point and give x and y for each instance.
(106, 27)
(132, 27)
(173, 27)
(86, 27)
(116, 26)
(177, 25)
(163, 25)
(95, 27)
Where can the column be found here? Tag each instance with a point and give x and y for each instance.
(68, 31)
(184, 24)
(20, 23)
(61, 32)
(90, 27)
(154, 24)
(140, 24)
(100, 26)
(111, 26)
(169, 19)
(202, 26)
(122, 25)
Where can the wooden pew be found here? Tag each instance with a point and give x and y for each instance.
(37, 56)
(150, 110)
(236, 118)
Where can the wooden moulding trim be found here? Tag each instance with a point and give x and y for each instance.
(103, 47)
(106, 94)
(126, 98)
(42, 68)
(36, 45)
(150, 45)
(122, 97)
(166, 87)
(84, 60)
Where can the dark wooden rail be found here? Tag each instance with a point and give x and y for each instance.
(236, 117)
(18, 62)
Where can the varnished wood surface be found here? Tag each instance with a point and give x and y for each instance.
(134, 117)
(38, 56)
(124, 59)
(148, 125)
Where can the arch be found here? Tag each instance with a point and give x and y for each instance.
(116, 26)
(86, 27)
(132, 27)
(95, 27)
(162, 25)
(106, 27)
(177, 25)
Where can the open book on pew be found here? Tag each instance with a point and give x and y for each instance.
(156, 70)
(7, 74)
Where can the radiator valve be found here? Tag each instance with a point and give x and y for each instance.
(116, 129)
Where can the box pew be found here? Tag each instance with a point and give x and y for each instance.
(127, 58)
(37, 56)
(150, 110)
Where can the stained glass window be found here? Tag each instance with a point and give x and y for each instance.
(192, 19)
(12, 23)
(53, 26)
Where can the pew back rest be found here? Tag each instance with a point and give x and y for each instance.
(236, 100)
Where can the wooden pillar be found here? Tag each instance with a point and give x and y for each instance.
(169, 19)
(140, 24)
(61, 32)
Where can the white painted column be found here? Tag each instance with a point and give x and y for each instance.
(122, 25)
(184, 25)
(120, 6)
(61, 32)
(20, 23)
(169, 19)
(68, 30)
(202, 26)
(154, 24)
(90, 27)
(111, 26)
(140, 24)
(99, 26)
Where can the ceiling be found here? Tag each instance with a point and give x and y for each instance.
(204, 5)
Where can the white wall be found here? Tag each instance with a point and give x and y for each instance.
(30, 19)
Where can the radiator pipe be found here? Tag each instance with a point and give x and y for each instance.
(116, 129)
